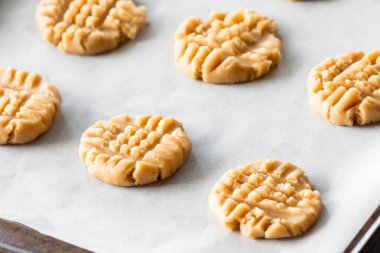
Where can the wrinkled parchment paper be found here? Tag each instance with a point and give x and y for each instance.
(45, 186)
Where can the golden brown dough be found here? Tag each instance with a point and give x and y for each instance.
(28, 106)
(129, 151)
(227, 48)
(89, 26)
(346, 89)
(265, 199)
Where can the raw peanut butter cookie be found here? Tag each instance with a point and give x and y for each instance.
(89, 26)
(345, 90)
(28, 106)
(129, 151)
(228, 48)
(265, 199)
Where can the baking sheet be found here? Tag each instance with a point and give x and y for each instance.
(44, 184)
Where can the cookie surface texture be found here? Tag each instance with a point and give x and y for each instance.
(227, 48)
(28, 106)
(129, 151)
(88, 27)
(345, 90)
(265, 199)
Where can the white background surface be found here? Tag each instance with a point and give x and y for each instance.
(44, 184)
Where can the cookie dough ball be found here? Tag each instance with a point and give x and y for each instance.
(129, 151)
(89, 27)
(28, 106)
(265, 199)
(227, 48)
(345, 90)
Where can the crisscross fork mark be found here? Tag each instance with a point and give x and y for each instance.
(113, 136)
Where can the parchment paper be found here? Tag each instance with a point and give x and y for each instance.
(44, 184)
